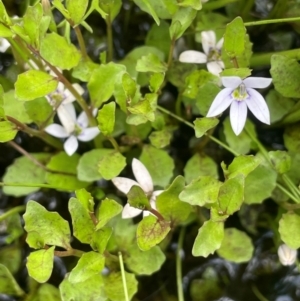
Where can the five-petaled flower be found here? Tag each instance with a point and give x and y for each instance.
(73, 129)
(211, 55)
(239, 94)
(287, 256)
(144, 181)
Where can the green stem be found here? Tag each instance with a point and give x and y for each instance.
(12, 211)
(123, 276)
(272, 21)
(171, 50)
(286, 192)
(258, 294)
(289, 183)
(30, 185)
(114, 143)
(264, 59)
(81, 42)
(109, 32)
(179, 266)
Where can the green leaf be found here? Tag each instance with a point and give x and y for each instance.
(102, 82)
(38, 116)
(289, 229)
(160, 139)
(181, 20)
(108, 209)
(86, 199)
(259, 184)
(90, 289)
(156, 81)
(150, 63)
(159, 164)
(137, 198)
(111, 165)
(286, 75)
(12, 257)
(87, 167)
(144, 262)
(170, 206)
(47, 292)
(202, 125)
(83, 226)
(49, 225)
(209, 238)
(111, 7)
(77, 9)
(236, 246)
(64, 176)
(201, 191)
(114, 289)
(234, 38)
(242, 165)
(240, 72)
(63, 55)
(195, 4)
(281, 161)
(4, 17)
(151, 232)
(8, 131)
(24, 170)
(8, 284)
(241, 143)
(231, 195)
(198, 166)
(5, 32)
(41, 84)
(40, 264)
(100, 239)
(106, 118)
(14, 229)
(83, 71)
(90, 264)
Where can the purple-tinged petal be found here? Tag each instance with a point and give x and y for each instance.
(214, 67)
(129, 212)
(238, 116)
(258, 106)
(220, 103)
(257, 82)
(231, 81)
(88, 134)
(71, 145)
(220, 44)
(67, 116)
(124, 184)
(142, 175)
(83, 120)
(192, 56)
(208, 39)
(57, 130)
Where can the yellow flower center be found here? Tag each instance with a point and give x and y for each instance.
(240, 93)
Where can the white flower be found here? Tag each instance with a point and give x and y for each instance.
(211, 55)
(62, 97)
(144, 181)
(73, 129)
(287, 256)
(4, 45)
(240, 94)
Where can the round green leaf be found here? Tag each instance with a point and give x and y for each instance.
(111, 165)
(289, 226)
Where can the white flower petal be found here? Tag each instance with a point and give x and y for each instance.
(258, 106)
(214, 67)
(124, 184)
(220, 103)
(257, 82)
(146, 213)
(57, 130)
(67, 116)
(60, 87)
(192, 56)
(78, 88)
(71, 145)
(4, 45)
(220, 44)
(129, 212)
(153, 197)
(238, 116)
(231, 81)
(88, 134)
(83, 120)
(68, 97)
(142, 175)
(287, 256)
(208, 39)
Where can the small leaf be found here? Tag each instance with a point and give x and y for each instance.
(281, 161)
(151, 232)
(111, 165)
(289, 226)
(137, 198)
(77, 9)
(108, 209)
(8, 284)
(7, 131)
(89, 265)
(195, 4)
(100, 239)
(41, 84)
(86, 199)
(150, 63)
(202, 125)
(209, 238)
(49, 225)
(236, 246)
(160, 139)
(240, 72)
(40, 264)
(106, 118)
(147, 6)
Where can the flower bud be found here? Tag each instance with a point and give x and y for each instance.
(287, 256)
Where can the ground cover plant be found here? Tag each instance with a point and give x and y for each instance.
(149, 150)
